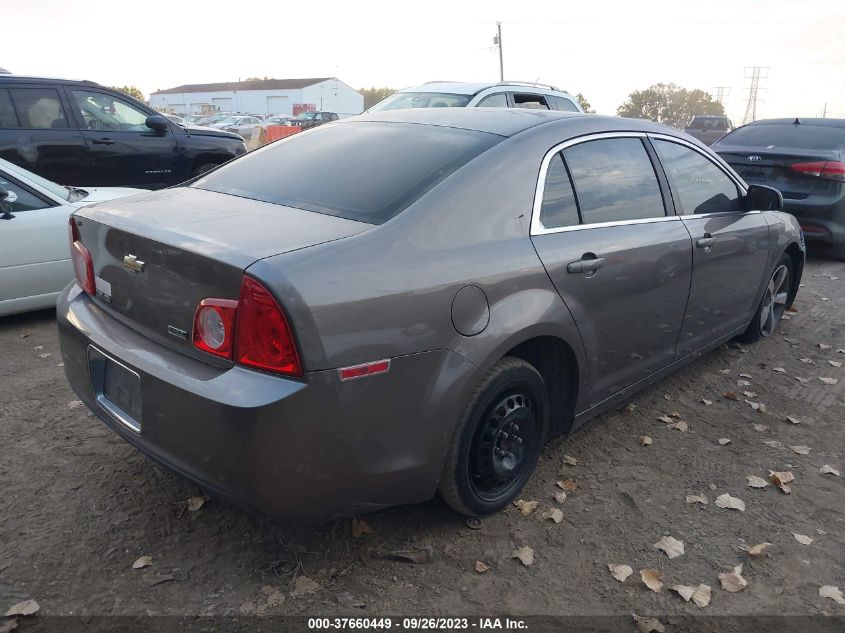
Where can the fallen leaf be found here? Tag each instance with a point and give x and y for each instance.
(808, 361)
(569, 460)
(651, 579)
(144, 561)
(25, 608)
(37, 347)
(275, 598)
(743, 383)
(803, 381)
(26, 334)
(730, 395)
(835, 363)
(779, 370)
(567, 484)
(195, 503)
(733, 581)
(525, 555)
(834, 593)
(45, 355)
(802, 538)
(829, 381)
(9, 625)
(303, 586)
(620, 572)
(648, 625)
(684, 590)
(828, 470)
(702, 499)
(730, 503)
(629, 408)
(360, 527)
(417, 556)
(526, 507)
(801, 450)
(480, 567)
(840, 351)
(749, 394)
(793, 420)
(725, 371)
(756, 550)
(745, 376)
(756, 482)
(701, 597)
(74, 404)
(680, 425)
(761, 427)
(706, 402)
(675, 414)
(560, 497)
(665, 418)
(757, 406)
(824, 346)
(553, 514)
(723, 441)
(645, 440)
(773, 444)
(346, 599)
(671, 546)
(781, 479)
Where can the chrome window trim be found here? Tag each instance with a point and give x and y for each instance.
(537, 227)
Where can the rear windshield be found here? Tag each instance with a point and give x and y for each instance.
(702, 123)
(775, 136)
(402, 100)
(362, 171)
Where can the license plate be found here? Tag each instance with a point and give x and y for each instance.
(118, 389)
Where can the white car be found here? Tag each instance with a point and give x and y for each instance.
(34, 253)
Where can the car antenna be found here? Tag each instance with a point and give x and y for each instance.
(796, 121)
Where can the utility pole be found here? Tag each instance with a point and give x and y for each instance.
(758, 73)
(824, 111)
(497, 40)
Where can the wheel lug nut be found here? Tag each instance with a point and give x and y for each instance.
(509, 454)
(500, 452)
(517, 439)
(505, 436)
(514, 428)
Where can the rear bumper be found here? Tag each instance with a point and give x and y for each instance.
(820, 223)
(304, 450)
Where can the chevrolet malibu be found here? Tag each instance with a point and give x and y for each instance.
(413, 301)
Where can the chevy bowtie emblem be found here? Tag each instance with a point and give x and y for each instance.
(133, 263)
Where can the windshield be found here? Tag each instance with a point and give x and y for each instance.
(401, 100)
(360, 171)
(57, 190)
(781, 135)
(305, 116)
(229, 120)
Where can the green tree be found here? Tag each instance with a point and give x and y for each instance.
(669, 104)
(132, 91)
(373, 95)
(585, 105)
(265, 78)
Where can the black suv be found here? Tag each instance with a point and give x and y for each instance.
(81, 133)
(307, 120)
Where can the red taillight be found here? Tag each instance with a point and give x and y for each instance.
(264, 338)
(83, 265)
(832, 169)
(214, 326)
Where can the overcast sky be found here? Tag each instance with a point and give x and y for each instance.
(604, 49)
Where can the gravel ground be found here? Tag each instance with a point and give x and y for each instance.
(79, 506)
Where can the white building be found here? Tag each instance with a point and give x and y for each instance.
(267, 96)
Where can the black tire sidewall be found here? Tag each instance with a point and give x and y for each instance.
(756, 333)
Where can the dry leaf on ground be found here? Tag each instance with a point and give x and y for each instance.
(651, 579)
(567, 484)
(560, 497)
(526, 507)
(760, 427)
(749, 394)
(779, 370)
(834, 593)
(25, 608)
(74, 404)
(756, 482)
(620, 572)
(781, 479)
(680, 425)
(829, 381)
(648, 625)
(801, 450)
(702, 499)
(701, 597)
(706, 402)
(569, 460)
(793, 420)
(480, 567)
(645, 440)
(360, 527)
(553, 514)
(743, 383)
(824, 346)
(724, 441)
(827, 469)
(756, 550)
(803, 381)
(729, 502)
(733, 581)
(665, 418)
(745, 376)
(525, 555)
(802, 538)
(757, 406)
(773, 444)
(835, 363)
(671, 546)
(303, 585)
(144, 561)
(730, 395)
(195, 503)
(684, 590)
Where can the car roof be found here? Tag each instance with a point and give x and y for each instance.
(33, 78)
(801, 121)
(473, 88)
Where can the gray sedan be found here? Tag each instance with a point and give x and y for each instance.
(413, 301)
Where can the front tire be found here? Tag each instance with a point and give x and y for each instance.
(498, 441)
(769, 313)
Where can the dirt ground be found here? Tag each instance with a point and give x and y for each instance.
(79, 505)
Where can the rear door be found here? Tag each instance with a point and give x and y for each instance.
(124, 151)
(730, 245)
(615, 252)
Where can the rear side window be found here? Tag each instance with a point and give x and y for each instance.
(533, 102)
(698, 186)
(25, 199)
(558, 208)
(563, 104)
(361, 171)
(38, 108)
(787, 135)
(614, 180)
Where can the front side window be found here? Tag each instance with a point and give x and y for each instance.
(402, 100)
(698, 186)
(614, 180)
(499, 100)
(101, 111)
(38, 108)
(25, 200)
(558, 208)
(533, 102)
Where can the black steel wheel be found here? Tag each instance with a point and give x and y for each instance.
(499, 441)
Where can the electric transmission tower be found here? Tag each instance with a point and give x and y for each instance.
(720, 92)
(756, 75)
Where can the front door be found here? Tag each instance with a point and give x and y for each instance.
(124, 151)
(730, 245)
(620, 263)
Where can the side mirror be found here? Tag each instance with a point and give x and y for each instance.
(763, 198)
(157, 123)
(6, 198)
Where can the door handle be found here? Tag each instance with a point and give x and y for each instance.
(705, 242)
(102, 141)
(588, 263)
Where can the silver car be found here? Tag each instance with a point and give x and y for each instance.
(409, 302)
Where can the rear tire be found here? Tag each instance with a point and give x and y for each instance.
(773, 304)
(498, 441)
